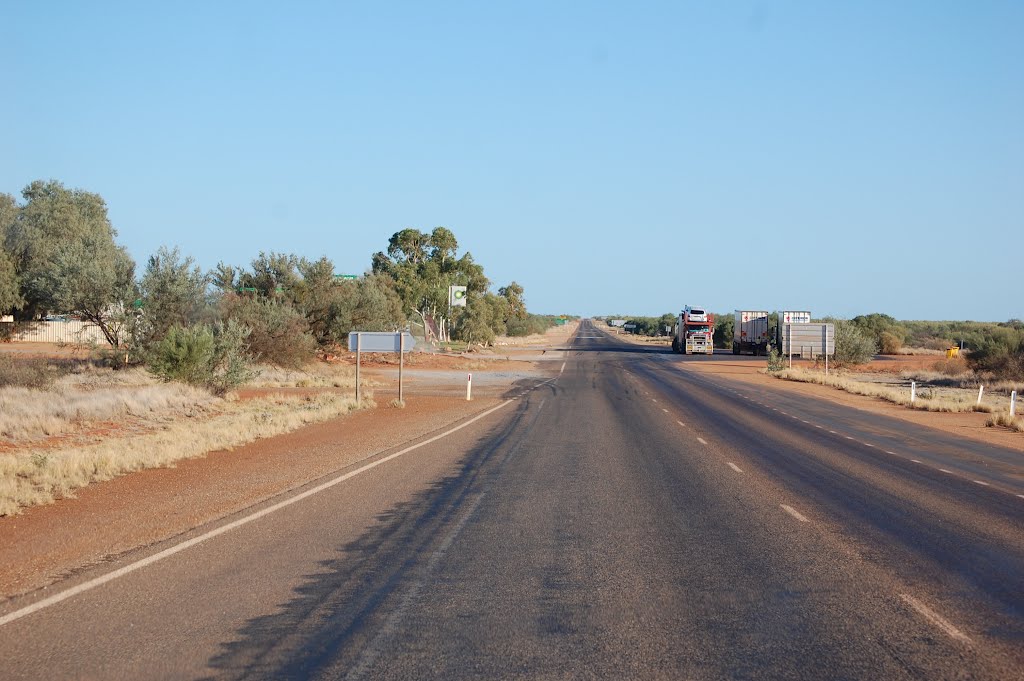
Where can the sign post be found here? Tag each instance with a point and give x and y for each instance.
(358, 359)
(380, 341)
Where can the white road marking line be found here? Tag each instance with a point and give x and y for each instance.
(916, 460)
(935, 618)
(664, 410)
(654, 399)
(833, 432)
(562, 369)
(681, 423)
(793, 512)
(734, 467)
(982, 482)
(189, 543)
(848, 437)
(1021, 496)
(867, 444)
(702, 441)
(821, 427)
(945, 471)
(888, 452)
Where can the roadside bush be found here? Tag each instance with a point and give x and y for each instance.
(1000, 354)
(27, 373)
(279, 334)
(853, 346)
(776, 361)
(184, 354)
(889, 343)
(214, 358)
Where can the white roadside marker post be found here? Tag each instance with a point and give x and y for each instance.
(359, 394)
(913, 391)
(469, 387)
(1013, 404)
(981, 389)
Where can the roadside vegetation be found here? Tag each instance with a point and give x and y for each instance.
(180, 342)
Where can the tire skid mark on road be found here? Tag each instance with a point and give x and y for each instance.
(380, 643)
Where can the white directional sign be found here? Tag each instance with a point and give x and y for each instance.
(380, 341)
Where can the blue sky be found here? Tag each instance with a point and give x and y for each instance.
(611, 157)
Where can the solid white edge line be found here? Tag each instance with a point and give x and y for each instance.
(935, 618)
(178, 548)
(793, 512)
(734, 467)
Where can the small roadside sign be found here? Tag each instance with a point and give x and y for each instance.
(380, 341)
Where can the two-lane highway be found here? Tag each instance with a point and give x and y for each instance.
(628, 519)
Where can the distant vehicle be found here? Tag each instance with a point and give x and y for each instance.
(694, 332)
(750, 332)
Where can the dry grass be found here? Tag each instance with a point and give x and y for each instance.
(27, 413)
(919, 351)
(926, 400)
(1003, 418)
(40, 476)
(313, 376)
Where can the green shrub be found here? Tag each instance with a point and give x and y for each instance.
(215, 358)
(853, 345)
(279, 333)
(776, 361)
(184, 354)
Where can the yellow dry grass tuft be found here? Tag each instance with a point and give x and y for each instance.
(1003, 418)
(30, 478)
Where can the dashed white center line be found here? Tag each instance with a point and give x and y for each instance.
(821, 427)
(562, 369)
(981, 482)
(702, 441)
(935, 618)
(653, 399)
(833, 432)
(945, 471)
(664, 410)
(892, 453)
(681, 423)
(734, 467)
(916, 460)
(793, 512)
(867, 444)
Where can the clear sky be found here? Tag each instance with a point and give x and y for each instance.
(611, 157)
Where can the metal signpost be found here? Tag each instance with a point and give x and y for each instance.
(381, 341)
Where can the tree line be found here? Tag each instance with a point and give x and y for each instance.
(60, 256)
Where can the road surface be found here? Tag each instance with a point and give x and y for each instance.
(628, 519)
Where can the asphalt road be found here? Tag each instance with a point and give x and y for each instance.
(630, 519)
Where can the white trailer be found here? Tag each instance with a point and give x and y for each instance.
(750, 332)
